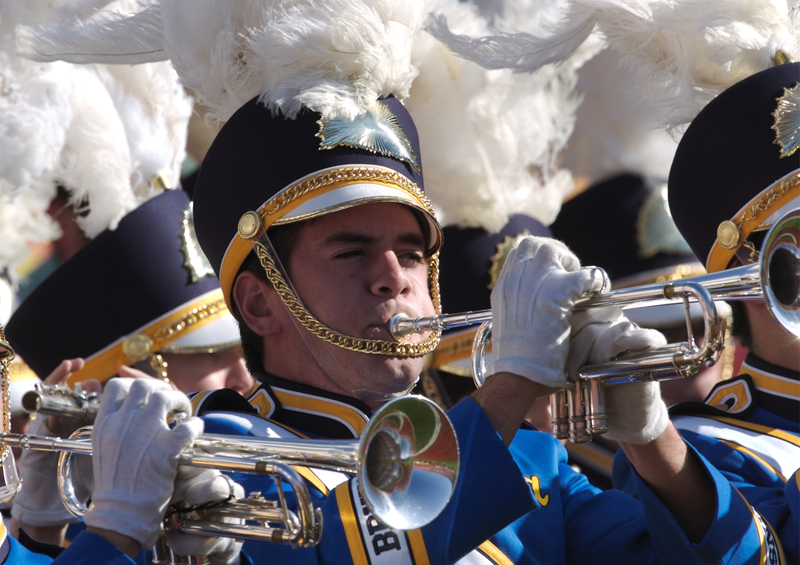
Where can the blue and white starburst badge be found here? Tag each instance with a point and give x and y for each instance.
(787, 121)
(375, 130)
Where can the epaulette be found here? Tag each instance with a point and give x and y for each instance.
(734, 398)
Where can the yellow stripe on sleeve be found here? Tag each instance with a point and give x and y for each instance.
(417, 545)
(350, 524)
(493, 552)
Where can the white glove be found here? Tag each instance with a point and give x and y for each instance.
(531, 309)
(38, 502)
(636, 413)
(197, 486)
(135, 456)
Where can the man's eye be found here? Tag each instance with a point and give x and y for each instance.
(416, 256)
(349, 253)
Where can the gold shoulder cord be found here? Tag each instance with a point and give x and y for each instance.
(320, 330)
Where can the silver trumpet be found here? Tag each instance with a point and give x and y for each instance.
(578, 411)
(406, 461)
(61, 401)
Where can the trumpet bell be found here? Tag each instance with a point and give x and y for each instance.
(780, 274)
(409, 463)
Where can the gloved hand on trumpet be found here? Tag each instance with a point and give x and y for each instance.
(534, 301)
(136, 481)
(38, 508)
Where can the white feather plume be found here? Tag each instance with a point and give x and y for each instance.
(684, 52)
(107, 36)
(101, 132)
(333, 57)
(614, 129)
(490, 139)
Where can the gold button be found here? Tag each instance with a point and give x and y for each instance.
(728, 235)
(137, 347)
(249, 225)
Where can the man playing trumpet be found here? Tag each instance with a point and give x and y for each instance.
(310, 207)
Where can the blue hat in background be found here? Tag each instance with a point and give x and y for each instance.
(129, 293)
(735, 168)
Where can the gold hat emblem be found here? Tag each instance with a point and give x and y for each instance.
(195, 260)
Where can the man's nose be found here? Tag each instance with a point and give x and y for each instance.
(389, 277)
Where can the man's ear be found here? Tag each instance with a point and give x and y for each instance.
(253, 298)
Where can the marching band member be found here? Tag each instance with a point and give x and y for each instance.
(338, 236)
(748, 426)
(726, 69)
(99, 142)
(148, 300)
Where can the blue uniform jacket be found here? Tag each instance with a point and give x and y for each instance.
(749, 429)
(570, 522)
(555, 516)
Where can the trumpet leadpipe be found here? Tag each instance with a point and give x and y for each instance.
(402, 325)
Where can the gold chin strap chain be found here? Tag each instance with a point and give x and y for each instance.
(320, 330)
(159, 365)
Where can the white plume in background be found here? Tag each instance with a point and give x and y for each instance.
(155, 113)
(101, 132)
(615, 130)
(490, 139)
(101, 36)
(334, 57)
(684, 53)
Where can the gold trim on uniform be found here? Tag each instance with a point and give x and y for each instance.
(738, 391)
(773, 384)
(354, 418)
(494, 553)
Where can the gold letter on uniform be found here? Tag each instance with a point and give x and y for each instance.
(533, 480)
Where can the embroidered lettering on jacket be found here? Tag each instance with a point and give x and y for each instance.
(533, 480)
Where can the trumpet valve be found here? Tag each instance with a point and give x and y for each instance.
(577, 416)
(559, 420)
(594, 403)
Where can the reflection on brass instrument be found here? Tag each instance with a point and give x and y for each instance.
(61, 401)
(406, 462)
(578, 411)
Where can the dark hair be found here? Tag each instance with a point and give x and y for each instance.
(282, 238)
(740, 328)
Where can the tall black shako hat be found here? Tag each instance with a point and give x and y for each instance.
(283, 169)
(329, 134)
(736, 165)
(623, 225)
(142, 288)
